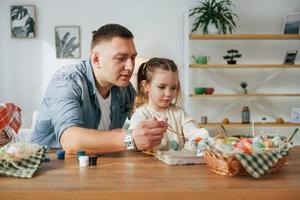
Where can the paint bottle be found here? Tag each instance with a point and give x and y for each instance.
(83, 161)
(60, 154)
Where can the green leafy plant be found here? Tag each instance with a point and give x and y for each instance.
(18, 12)
(233, 53)
(216, 12)
(65, 46)
(244, 87)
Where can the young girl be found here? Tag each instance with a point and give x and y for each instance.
(158, 92)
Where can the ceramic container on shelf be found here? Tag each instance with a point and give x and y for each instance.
(201, 59)
(212, 29)
(199, 90)
(209, 90)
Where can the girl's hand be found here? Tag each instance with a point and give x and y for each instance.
(149, 133)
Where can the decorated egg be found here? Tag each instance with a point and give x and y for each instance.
(268, 144)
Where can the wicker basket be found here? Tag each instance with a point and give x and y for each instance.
(4, 138)
(231, 166)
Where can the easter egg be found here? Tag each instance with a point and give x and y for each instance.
(268, 144)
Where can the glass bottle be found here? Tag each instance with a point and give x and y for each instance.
(245, 115)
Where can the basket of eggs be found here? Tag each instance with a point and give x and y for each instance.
(4, 138)
(10, 122)
(244, 155)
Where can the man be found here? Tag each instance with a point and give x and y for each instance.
(85, 105)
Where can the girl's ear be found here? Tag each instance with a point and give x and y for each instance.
(146, 85)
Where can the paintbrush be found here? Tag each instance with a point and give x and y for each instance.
(294, 133)
(225, 132)
(175, 132)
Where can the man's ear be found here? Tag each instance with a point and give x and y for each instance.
(145, 85)
(95, 58)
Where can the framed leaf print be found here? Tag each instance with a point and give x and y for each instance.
(67, 41)
(22, 21)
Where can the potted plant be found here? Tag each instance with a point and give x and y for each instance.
(214, 14)
(233, 53)
(244, 87)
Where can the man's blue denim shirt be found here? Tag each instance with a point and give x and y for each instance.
(70, 100)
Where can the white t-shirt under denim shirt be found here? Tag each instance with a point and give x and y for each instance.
(178, 121)
(70, 100)
(105, 111)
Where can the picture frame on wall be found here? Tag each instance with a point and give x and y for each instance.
(22, 18)
(292, 23)
(67, 41)
(295, 115)
(290, 57)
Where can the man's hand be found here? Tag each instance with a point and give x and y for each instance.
(149, 133)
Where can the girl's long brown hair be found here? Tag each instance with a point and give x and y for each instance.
(146, 71)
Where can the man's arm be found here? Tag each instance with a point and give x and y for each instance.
(92, 141)
(146, 135)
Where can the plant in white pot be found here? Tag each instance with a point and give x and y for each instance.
(214, 16)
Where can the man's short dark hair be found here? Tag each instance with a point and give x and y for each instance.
(108, 32)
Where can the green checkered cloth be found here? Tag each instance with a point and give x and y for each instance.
(24, 168)
(256, 164)
(217, 153)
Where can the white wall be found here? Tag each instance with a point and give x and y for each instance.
(26, 65)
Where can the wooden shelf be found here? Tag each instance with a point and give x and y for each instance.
(244, 37)
(240, 125)
(245, 66)
(233, 95)
(247, 95)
